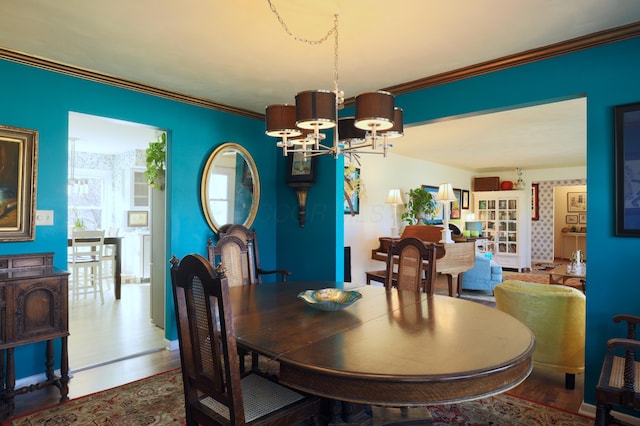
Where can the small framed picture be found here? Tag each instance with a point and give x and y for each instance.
(301, 168)
(582, 218)
(571, 218)
(465, 199)
(137, 219)
(576, 201)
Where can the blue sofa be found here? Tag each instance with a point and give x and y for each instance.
(484, 275)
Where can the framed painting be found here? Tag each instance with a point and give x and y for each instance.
(137, 219)
(571, 219)
(465, 199)
(576, 201)
(455, 205)
(301, 168)
(582, 218)
(438, 217)
(351, 190)
(535, 212)
(18, 168)
(627, 169)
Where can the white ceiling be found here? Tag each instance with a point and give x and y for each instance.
(237, 53)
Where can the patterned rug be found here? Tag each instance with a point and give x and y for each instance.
(158, 400)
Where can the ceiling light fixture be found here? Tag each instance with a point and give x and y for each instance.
(299, 125)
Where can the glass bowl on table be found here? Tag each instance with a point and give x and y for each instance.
(329, 299)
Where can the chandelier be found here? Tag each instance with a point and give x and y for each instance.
(300, 125)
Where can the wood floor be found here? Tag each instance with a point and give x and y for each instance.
(542, 385)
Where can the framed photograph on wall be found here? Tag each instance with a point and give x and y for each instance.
(18, 168)
(582, 218)
(576, 201)
(535, 213)
(571, 219)
(465, 199)
(301, 169)
(627, 169)
(438, 216)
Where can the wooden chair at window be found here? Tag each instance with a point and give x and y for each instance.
(250, 238)
(232, 254)
(619, 383)
(85, 262)
(415, 262)
(109, 258)
(215, 393)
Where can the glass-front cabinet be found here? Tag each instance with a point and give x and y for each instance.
(506, 221)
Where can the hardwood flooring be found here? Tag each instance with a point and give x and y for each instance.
(542, 385)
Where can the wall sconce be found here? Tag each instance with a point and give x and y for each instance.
(394, 198)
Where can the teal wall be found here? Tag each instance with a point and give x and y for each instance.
(608, 76)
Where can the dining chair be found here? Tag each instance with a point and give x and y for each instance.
(416, 269)
(85, 262)
(109, 258)
(232, 255)
(215, 393)
(250, 238)
(619, 382)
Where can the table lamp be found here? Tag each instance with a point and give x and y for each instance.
(394, 198)
(446, 196)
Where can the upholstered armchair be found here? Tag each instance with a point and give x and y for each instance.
(556, 316)
(484, 275)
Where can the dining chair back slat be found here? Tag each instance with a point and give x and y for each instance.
(85, 262)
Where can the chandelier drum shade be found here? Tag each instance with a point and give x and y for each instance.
(376, 116)
(375, 111)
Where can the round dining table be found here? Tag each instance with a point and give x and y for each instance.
(390, 348)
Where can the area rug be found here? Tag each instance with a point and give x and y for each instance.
(158, 400)
(545, 266)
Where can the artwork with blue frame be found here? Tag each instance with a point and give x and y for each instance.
(352, 191)
(438, 217)
(627, 169)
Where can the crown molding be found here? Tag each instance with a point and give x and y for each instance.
(557, 49)
(86, 74)
(538, 54)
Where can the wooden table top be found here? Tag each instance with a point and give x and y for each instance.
(389, 348)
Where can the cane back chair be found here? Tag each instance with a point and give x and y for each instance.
(415, 260)
(214, 391)
(619, 383)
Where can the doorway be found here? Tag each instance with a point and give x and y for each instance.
(106, 189)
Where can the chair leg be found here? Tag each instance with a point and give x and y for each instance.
(603, 418)
(570, 381)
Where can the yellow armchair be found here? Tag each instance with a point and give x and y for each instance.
(556, 316)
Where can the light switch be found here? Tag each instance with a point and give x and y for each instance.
(44, 217)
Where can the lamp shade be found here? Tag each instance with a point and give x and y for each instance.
(394, 197)
(374, 110)
(280, 120)
(348, 132)
(316, 109)
(397, 130)
(445, 193)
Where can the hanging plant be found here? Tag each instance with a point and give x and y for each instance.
(156, 156)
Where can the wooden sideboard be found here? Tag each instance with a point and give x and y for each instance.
(33, 308)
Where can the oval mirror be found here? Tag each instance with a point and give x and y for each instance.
(230, 188)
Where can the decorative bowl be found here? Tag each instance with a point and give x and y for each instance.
(329, 299)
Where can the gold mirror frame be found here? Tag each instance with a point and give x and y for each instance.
(248, 180)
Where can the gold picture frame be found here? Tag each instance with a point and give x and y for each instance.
(18, 168)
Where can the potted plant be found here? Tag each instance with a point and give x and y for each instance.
(421, 204)
(156, 154)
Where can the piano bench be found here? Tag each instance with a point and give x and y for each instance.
(377, 276)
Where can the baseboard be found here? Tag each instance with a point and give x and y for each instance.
(590, 410)
(172, 345)
(36, 378)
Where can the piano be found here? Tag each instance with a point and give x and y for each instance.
(452, 260)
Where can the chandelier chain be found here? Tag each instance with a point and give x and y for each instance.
(333, 29)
